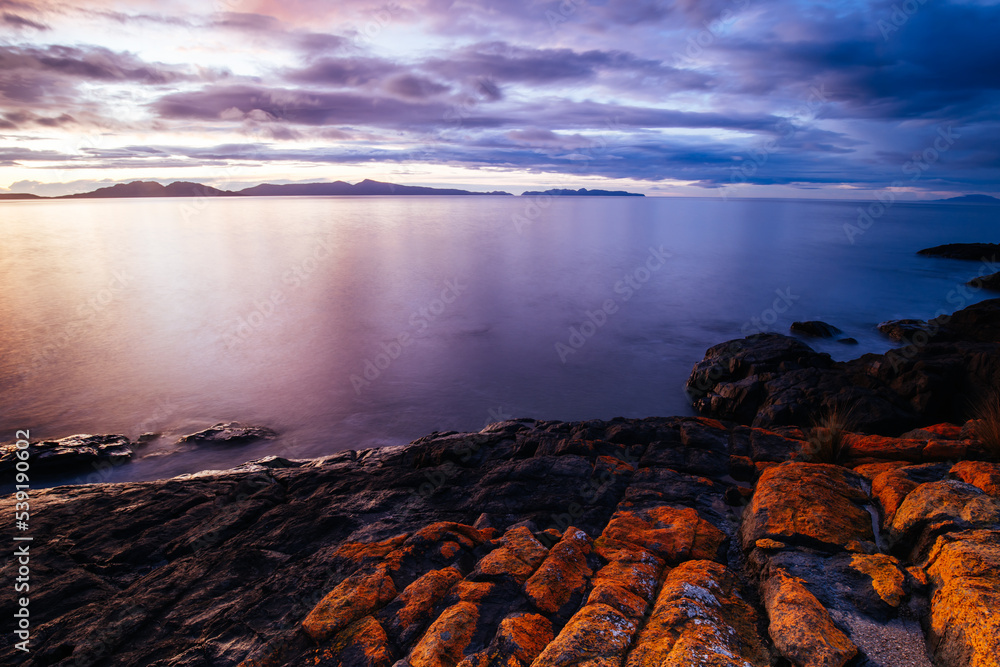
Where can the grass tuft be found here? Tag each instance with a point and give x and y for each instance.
(988, 424)
(827, 439)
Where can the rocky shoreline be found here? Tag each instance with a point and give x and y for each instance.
(638, 542)
(821, 513)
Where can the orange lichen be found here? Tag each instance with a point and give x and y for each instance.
(596, 635)
(358, 551)
(985, 476)
(419, 598)
(886, 575)
(362, 644)
(673, 533)
(964, 623)
(355, 597)
(563, 573)
(447, 638)
(807, 502)
(801, 626)
(700, 619)
(518, 556)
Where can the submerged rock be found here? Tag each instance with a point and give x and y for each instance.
(230, 433)
(815, 329)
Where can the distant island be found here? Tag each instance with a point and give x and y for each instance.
(970, 199)
(582, 192)
(17, 195)
(188, 189)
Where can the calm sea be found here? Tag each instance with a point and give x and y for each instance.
(357, 322)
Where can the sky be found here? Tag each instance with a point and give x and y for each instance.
(706, 98)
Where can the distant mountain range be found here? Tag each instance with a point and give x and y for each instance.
(971, 199)
(365, 187)
(583, 192)
(187, 189)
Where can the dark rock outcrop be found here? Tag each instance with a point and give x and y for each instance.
(229, 433)
(770, 380)
(990, 282)
(77, 452)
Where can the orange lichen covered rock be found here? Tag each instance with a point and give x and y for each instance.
(808, 503)
(618, 597)
(360, 551)
(357, 596)
(872, 470)
(891, 489)
(700, 619)
(873, 448)
(418, 599)
(981, 474)
(964, 569)
(801, 627)
(519, 640)
(563, 574)
(518, 557)
(946, 450)
(943, 431)
(886, 574)
(446, 639)
(596, 635)
(362, 644)
(672, 533)
(628, 581)
(467, 536)
(938, 507)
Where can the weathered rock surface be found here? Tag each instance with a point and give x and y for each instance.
(769, 380)
(75, 453)
(964, 570)
(229, 433)
(680, 541)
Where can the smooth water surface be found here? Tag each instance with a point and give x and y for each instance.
(357, 322)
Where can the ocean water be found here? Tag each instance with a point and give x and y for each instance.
(346, 323)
